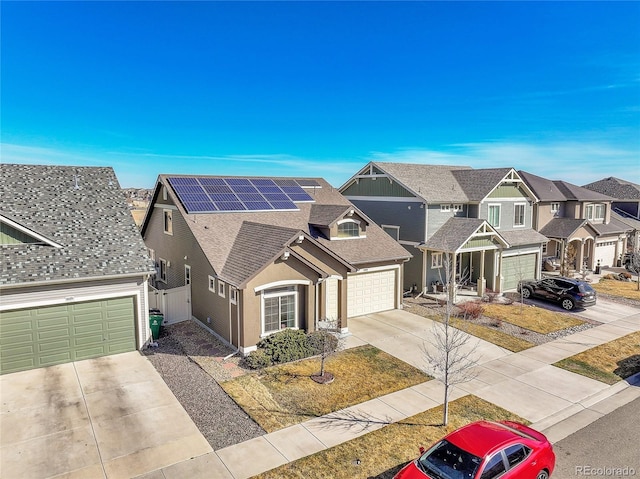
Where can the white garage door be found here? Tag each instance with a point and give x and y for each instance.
(605, 252)
(516, 268)
(371, 292)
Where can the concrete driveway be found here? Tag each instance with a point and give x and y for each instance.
(603, 311)
(110, 417)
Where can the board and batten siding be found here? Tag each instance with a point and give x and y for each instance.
(379, 186)
(38, 296)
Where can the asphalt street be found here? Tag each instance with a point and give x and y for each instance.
(607, 448)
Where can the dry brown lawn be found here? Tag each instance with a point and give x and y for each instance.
(623, 289)
(383, 452)
(284, 395)
(533, 318)
(494, 336)
(609, 362)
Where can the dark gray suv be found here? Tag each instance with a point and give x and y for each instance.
(569, 292)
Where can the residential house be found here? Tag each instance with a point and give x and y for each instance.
(578, 222)
(264, 254)
(74, 276)
(625, 206)
(481, 219)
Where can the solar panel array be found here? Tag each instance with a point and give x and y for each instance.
(217, 195)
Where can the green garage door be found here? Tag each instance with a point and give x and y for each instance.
(33, 338)
(515, 268)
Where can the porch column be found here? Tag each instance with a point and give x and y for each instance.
(482, 282)
(580, 255)
(452, 286)
(498, 286)
(424, 270)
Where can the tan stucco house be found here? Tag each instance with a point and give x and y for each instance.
(263, 254)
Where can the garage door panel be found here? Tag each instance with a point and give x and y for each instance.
(52, 335)
(515, 268)
(371, 292)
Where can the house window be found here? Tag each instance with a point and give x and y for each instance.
(555, 207)
(168, 222)
(212, 284)
(457, 208)
(518, 216)
(163, 270)
(494, 216)
(152, 254)
(187, 274)
(280, 309)
(348, 229)
(544, 248)
(233, 295)
(221, 288)
(393, 231)
(445, 208)
(436, 260)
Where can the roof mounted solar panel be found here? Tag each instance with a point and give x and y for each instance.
(262, 181)
(230, 206)
(199, 207)
(212, 181)
(300, 197)
(284, 182)
(284, 205)
(307, 183)
(258, 205)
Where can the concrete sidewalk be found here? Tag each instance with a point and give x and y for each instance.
(556, 401)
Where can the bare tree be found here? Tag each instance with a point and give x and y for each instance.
(634, 267)
(450, 358)
(328, 341)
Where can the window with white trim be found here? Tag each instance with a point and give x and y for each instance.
(212, 284)
(348, 229)
(457, 208)
(233, 295)
(187, 274)
(445, 208)
(555, 207)
(595, 212)
(163, 270)
(152, 254)
(279, 309)
(518, 214)
(221, 289)
(168, 221)
(494, 216)
(436, 260)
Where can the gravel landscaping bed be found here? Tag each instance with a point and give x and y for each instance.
(426, 307)
(220, 420)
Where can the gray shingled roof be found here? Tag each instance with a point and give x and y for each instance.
(326, 215)
(613, 227)
(616, 188)
(477, 184)
(453, 234)
(631, 222)
(555, 190)
(523, 237)
(433, 183)
(562, 227)
(83, 210)
(220, 237)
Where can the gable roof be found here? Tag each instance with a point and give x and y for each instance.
(239, 244)
(456, 232)
(80, 213)
(616, 188)
(632, 223)
(564, 227)
(443, 183)
(556, 190)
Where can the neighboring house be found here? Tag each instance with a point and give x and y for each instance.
(578, 222)
(75, 270)
(265, 254)
(625, 206)
(481, 219)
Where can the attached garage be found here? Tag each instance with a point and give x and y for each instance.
(515, 268)
(44, 336)
(371, 292)
(605, 253)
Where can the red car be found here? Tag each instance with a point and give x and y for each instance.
(485, 450)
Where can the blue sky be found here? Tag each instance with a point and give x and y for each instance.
(319, 89)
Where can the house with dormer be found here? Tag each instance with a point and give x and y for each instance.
(583, 230)
(476, 221)
(260, 255)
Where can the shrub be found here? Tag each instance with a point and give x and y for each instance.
(285, 346)
(316, 342)
(471, 309)
(257, 359)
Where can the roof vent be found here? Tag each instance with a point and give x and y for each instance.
(76, 186)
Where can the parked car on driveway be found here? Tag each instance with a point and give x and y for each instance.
(569, 292)
(485, 450)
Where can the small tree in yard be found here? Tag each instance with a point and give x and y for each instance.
(450, 358)
(326, 341)
(634, 267)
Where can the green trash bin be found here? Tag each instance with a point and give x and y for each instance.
(155, 322)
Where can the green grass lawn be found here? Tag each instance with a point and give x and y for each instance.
(609, 362)
(280, 396)
(383, 452)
